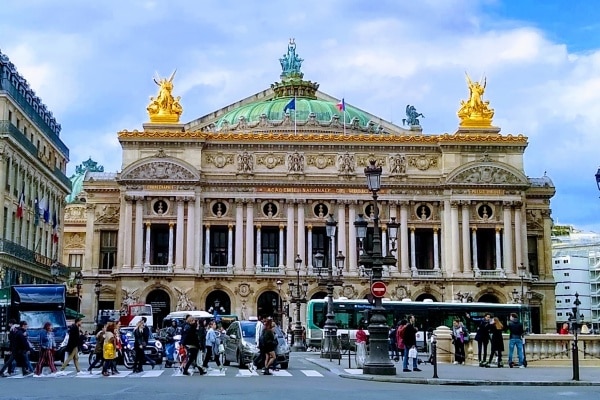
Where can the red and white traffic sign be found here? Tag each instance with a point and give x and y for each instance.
(378, 289)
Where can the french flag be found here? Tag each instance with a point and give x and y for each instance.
(21, 205)
(341, 105)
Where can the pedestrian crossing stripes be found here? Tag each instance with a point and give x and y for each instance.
(175, 372)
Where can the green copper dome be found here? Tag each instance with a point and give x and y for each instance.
(324, 111)
(307, 105)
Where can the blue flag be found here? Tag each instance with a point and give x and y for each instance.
(291, 105)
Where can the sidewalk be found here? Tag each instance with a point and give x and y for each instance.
(471, 375)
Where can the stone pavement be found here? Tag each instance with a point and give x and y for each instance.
(472, 375)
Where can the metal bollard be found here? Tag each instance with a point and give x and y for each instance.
(434, 355)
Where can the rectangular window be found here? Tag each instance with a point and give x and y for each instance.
(269, 240)
(218, 246)
(108, 249)
(75, 260)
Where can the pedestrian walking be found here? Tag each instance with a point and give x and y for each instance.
(211, 346)
(72, 349)
(109, 349)
(482, 336)
(496, 341)
(9, 364)
(98, 350)
(47, 346)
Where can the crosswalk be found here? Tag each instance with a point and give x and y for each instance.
(175, 373)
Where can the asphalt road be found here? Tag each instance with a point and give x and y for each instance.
(303, 380)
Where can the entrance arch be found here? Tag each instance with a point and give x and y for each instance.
(161, 305)
(425, 296)
(266, 306)
(488, 298)
(218, 303)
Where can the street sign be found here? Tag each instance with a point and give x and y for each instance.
(378, 289)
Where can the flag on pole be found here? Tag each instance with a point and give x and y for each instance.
(55, 227)
(47, 212)
(36, 212)
(341, 105)
(290, 106)
(21, 204)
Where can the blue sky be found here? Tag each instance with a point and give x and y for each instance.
(92, 63)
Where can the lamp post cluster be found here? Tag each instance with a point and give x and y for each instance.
(78, 284)
(297, 294)
(97, 289)
(576, 320)
(330, 349)
(378, 361)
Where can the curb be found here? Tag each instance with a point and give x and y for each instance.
(448, 382)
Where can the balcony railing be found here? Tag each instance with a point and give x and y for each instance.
(42, 262)
(157, 269)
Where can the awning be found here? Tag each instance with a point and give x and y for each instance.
(72, 314)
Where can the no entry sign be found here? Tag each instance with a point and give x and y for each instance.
(378, 289)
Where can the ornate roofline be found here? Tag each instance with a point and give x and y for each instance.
(270, 135)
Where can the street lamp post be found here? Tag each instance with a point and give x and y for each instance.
(575, 324)
(378, 361)
(97, 289)
(279, 303)
(297, 292)
(78, 284)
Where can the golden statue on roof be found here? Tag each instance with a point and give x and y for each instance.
(164, 107)
(475, 112)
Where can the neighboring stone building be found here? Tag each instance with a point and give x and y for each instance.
(33, 184)
(219, 208)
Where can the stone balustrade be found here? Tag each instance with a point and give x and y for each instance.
(540, 349)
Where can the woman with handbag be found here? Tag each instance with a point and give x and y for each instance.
(109, 349)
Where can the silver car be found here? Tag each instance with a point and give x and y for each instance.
(240, 344)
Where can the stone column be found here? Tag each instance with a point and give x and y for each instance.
(466, 243)
(171, 243)
(301, 231)
(128, 234)
(239, 236)
(518, 237)
(508, 240)
(404, 266)
(455, 237)
(290, 254)
(250, 236)
(148, 235)
(229, 245)
(498, 250)
(475, 250)
(341, 231)
(207, 246)
(413, 252)
(139, 232)
(351, 256)
(199, 239)
(179, 233)
(436, 249)
(190, 235)
(281, 249)
(89, 237)
(309, 254)
(258, 250)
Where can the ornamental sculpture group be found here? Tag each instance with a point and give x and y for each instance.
(164, 108)
(475, 112)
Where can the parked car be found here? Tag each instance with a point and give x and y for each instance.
(240, 344)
